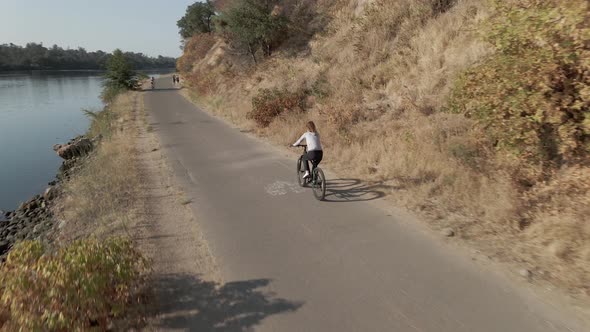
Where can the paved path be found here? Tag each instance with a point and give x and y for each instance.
(292, 263)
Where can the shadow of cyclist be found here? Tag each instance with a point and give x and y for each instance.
(353, 190)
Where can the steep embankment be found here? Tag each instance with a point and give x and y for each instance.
(399, 90)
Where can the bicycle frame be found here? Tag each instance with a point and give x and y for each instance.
(314, 166)
(317, 178)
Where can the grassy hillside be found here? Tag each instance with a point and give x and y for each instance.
(473, 113)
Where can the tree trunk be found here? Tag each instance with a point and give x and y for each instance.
(253, 53)
(266, 48)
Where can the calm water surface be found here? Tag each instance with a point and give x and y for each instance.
(37, 111)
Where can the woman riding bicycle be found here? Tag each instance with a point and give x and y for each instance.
(314, 147)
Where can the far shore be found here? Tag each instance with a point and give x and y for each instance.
(33, 71)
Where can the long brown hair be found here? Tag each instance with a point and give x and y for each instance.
(311, 127)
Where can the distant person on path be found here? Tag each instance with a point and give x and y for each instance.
(314, 147)
(152, 82)
(173, 79)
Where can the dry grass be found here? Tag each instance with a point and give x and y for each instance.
(103, 197)
(379, 77)
(559, 230)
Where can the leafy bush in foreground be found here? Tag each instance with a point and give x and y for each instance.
(269, 104)
(87, 283)
(533, 95)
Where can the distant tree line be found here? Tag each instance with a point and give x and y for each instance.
(36, 56)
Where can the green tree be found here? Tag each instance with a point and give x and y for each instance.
(119, 77)
(197, 19)
(255, 25)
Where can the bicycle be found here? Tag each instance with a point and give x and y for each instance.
(317, 180)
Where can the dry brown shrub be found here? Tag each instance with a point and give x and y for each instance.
(267, 104)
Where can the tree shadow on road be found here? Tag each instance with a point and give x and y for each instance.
(353, 190)
(189, 303)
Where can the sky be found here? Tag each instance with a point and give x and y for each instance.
(146, 26)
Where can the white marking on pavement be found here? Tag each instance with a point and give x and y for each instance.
(280, 188)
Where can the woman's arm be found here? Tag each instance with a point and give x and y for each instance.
(299, 140)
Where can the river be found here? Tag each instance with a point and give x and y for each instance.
(38, 110)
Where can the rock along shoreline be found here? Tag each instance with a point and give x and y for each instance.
(34, 219)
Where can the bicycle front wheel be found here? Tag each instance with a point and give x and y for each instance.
(319, 185)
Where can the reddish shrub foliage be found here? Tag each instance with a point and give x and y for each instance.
(268, 104)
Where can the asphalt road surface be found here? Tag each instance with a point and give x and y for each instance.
(293, 263)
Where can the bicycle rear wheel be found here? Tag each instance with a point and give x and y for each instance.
(319, 184)
(300, 178)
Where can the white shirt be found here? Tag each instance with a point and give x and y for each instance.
(312, 140)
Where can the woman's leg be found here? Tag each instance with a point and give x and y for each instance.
(305, 161)
(318, 157)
